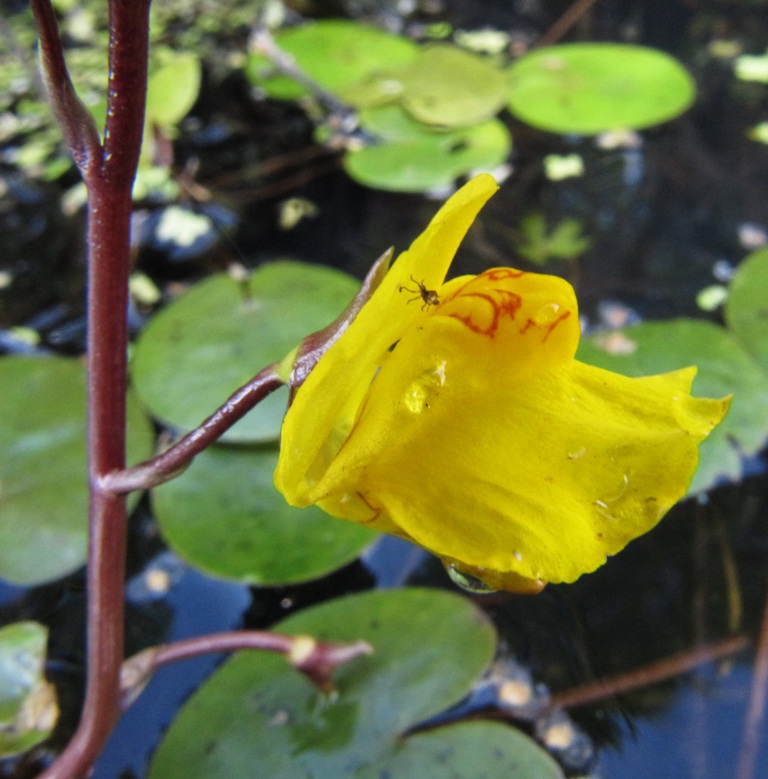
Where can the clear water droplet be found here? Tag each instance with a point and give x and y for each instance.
(416, 397)
(547, 315)
(467, 581)
(422, 392)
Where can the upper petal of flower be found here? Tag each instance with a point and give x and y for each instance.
(325, 407)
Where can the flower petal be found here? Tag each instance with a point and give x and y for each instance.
(483, 440)
(324, 408)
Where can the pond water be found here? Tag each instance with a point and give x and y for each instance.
(668, 215)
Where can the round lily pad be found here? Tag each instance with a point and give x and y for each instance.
(725, 367)
(589, 88)
(206, 344)
(429, 647)
(412, 158)
(43, 480)
(746, 309)
(450, 87)
(469, 750)
(173, 89)
(28, 709)
(337, 54)
(225, 517)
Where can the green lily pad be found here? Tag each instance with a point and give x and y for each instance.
(589, 88)
(469, 750)
(337, 54)
(28, 709)
(413, 158)
(43, 481)
(173, 89)
(450, 87)
(429, 647)
(206, 344)
(224, 516)
(725, 367)
(746, 310)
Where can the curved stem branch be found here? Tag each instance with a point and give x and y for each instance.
(315, 659)
(168, 464)
(74, 119)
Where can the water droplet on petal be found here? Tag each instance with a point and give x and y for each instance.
(416, 397)
(425, 389)
(547, 314)
(467, 581)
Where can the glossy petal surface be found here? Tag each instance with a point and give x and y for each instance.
(461, 420)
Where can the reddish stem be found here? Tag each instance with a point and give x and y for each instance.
(313, 658)
(168, 464)
(108, 172)
(75, 120)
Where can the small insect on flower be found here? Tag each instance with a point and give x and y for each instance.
(428, 297)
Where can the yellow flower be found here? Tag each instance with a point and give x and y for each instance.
(455, 415)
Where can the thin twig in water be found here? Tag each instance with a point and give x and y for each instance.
(564, 23)
(660, 671)
(262, 42)
(750, 742)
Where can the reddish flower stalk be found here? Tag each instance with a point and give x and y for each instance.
(108, 170)
(174, 460)
(314, 659)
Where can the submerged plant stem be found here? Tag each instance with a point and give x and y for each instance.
(573, 13)
(265, 44)
(750, 743)
(656, 672)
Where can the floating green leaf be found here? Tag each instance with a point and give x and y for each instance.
(588, 88)
(28, 709)
(429, 647)
(450, 87)
(469, 750)
(337, 54)
(43, 481)
(225, 517)
(746, 309)
(216, 337)
(725, 367)
(413, 158)
(173, 89)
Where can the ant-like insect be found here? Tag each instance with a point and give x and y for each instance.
(428, 297)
